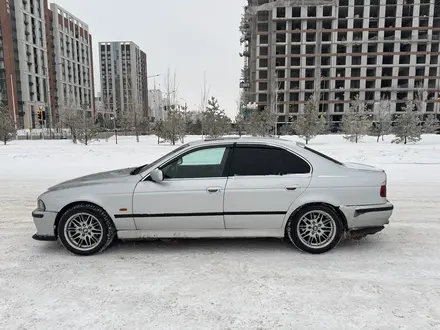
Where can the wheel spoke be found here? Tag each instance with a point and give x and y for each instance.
(83, 231)
(316, 229)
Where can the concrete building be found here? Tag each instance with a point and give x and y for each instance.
(123, 67)
(374, 48)
(156, 105)
(71, 62)
(30, 52)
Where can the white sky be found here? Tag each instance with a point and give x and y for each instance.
(187, 36)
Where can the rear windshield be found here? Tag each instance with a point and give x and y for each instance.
(322, 155)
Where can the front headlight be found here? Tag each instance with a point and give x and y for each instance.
(40, 205)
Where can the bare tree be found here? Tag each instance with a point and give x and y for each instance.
(407, 125)
(204, 97)
(87, 128)
(260, 123)
(7, 126)
(356, 122)
(215, 121)
(420, 98)
(174, 125)
(309, 124)
(382, 118)
(431, 124)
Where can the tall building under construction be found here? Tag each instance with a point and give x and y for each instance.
(371, 48)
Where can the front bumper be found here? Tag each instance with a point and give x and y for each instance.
(364, 216)
(45, 223)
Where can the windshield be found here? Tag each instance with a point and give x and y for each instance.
(142, 168)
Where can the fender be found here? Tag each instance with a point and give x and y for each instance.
(309, 198)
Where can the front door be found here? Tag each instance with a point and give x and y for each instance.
(191, 195)
(263, 182)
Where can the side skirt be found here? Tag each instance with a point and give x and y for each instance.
(208, 233)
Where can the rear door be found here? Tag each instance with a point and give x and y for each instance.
(263, 182)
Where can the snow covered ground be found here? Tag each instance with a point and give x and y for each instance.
(387, 281)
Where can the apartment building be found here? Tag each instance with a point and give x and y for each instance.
(371, 48)
(156, 105)
(123, 67)
(71, 63)
(34, 60)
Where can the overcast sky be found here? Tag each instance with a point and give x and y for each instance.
(187, 36)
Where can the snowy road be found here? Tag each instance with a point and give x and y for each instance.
(387, 281)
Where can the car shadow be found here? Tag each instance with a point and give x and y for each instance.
(201, 245)
(211, 246)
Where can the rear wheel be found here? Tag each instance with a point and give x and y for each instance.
(86, 229)
(315, 229)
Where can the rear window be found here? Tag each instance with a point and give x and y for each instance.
(322, 155)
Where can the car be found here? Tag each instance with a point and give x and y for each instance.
(220, 188)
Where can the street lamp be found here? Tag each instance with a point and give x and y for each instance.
(156, 75)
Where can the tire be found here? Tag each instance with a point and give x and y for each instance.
(86, 229)
(306, 234)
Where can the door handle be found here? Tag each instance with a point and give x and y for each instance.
(291, 188)
(213, 189)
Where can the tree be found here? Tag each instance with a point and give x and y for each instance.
(382, 118)
(356, 122)
(87, 128)
(174, 125)
(260, 123)
(286, 129)
(215, 122)
(407, 125)
(310, 123)
(125, 121)
(7, 126)
(431, 124)
(159, 130)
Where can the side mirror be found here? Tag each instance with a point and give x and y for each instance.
(156, 175)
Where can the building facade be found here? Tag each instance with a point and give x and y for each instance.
(32, 74)
(123, 67)
(156, 105)
(71, 63)
(371, 48)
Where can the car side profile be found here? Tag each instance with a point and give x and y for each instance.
(220, 188)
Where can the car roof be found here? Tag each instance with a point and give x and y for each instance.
(262, 140)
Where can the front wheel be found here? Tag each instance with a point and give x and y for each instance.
(86, 229)
(315, 229)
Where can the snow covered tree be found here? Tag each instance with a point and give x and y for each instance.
(356, 122)
(215, 122)
(7, 127)
(310, 123)
(407, 125)
(260, 123)
(382, 118)
(431, 124)
(286, 129)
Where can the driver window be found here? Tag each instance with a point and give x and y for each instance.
(202, 163)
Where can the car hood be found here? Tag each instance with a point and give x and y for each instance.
(94, 178)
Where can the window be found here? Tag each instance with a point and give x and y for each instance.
(262, 160)
(202, 163)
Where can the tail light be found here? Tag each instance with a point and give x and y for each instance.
(383, 191)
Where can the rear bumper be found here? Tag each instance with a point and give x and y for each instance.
(45, 223)
(363, 216)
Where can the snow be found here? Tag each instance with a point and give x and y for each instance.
(389, 281)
